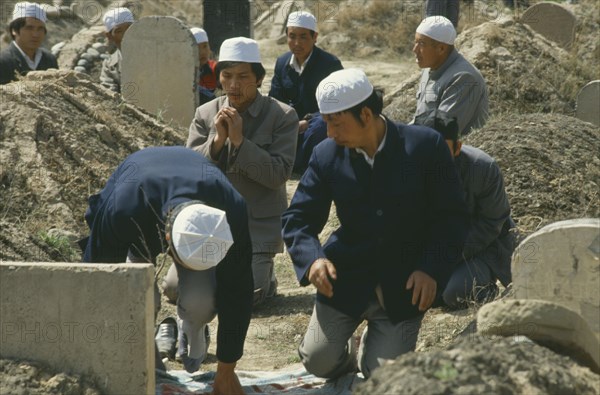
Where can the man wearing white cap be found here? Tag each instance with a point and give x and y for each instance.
(207, 79)
(116, 23)
(252, 138)
(403, 223)
(448, 82)
(296, 77)
(28, 31)
(173, 197)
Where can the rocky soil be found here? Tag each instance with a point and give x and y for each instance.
(479, 365)
(62, 135)
(31, 378)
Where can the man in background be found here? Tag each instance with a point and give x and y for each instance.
(28, 31)
(116, 23)
(490, 241)
(449, 82)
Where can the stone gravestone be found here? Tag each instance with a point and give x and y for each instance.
(160, 58)
(560, 263)
(225, 19)
(552, 21)
(588, 103)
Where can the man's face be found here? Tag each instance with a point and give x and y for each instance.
(116, 35)
(345, 130)
(429, 53)
(31, 36)
(301, 42)
(203, 52)
(240, 84)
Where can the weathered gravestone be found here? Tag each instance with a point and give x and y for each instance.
(560, 263)
(225, 19)
(552, 21)
(160, 57)
(96, 320)
(588, 103)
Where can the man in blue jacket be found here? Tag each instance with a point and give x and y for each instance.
(25, 53)
(298, 73)
(403, 222)
(164, 196)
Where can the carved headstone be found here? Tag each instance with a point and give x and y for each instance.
(588, 103)
(160, 58)
(560, 263)
(552, 21)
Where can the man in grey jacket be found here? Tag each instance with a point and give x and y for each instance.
(448, 81)
(116, 23)
(490, 241)
(252, 139)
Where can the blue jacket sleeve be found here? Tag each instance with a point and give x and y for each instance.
(305, 218)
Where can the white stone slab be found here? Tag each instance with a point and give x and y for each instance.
(560, 263)
(160, 58)
(552, 21)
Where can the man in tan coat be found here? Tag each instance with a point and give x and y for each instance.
(252, 138)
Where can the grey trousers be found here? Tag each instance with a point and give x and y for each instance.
(195, 294)
(329, 349)
(263, 272)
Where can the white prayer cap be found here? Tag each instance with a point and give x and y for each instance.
(239, 49)
(438, 28)
(200, 35)
(342, 90)
(302, 19)
(116, 17)
(201, 236)
(29, 10)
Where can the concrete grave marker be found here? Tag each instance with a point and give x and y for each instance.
(588, 103)
(160, 58)
(95, 320)
(552, 21)
(560, 263)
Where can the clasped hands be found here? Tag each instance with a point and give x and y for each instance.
(228, 123)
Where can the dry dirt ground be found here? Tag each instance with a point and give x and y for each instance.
(62, 135)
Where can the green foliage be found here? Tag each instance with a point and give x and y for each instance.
(60, 247)
(446, 372)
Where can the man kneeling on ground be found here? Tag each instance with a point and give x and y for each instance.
(490, 242)
(173, 197)
(403, 222)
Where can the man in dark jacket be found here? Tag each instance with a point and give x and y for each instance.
(490, 242)
(403, 222)
(28, 31)
(178, 189)
(298, 73)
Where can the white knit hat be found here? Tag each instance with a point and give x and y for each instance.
(116, 17)
(342, 90)
(200, 35)
(239, 49)
(438, 28)
(29, 10)
(302, 19)
(201, 236)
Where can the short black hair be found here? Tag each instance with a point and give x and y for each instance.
(441, 122)
(17, 24)
(374, 102)
(257, 68)
(312, 32)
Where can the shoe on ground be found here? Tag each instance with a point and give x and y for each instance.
(190, 364)
(166, 338)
